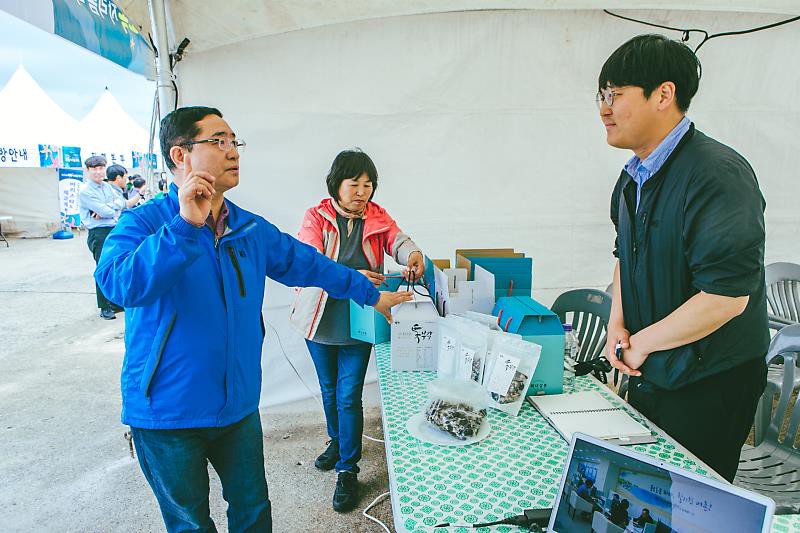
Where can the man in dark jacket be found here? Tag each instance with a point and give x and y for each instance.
(688, 304)
(190, 268)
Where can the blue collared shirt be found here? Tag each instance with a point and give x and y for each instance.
(100, 198)
(641, 171)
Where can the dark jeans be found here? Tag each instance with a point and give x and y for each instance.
(175, 463)
(341, 371)
(95, 241)
(712, 417)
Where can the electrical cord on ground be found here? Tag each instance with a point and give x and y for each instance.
(686, 32)
(286, 356)
(531, 519)
(317, 397)
(370, 517)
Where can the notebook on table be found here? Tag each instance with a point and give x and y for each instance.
(590, 413)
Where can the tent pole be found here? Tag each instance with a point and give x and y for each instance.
(164, 75)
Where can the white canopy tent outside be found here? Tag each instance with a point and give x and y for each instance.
(480, 117)
(30, 117)
(108, 128)
(29, 193)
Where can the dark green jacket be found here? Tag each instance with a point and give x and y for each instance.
(699, 227)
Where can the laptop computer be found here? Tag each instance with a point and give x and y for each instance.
(608, 488)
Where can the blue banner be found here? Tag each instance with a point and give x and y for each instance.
(102, 27)
(69, 189)
(71, 157)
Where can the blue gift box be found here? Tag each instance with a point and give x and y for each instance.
(513, 276)
(368, 325)
(536, 323)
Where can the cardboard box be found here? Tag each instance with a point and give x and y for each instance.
(463, 256)
(536, 323)
(414, 333)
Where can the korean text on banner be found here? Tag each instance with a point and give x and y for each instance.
(69, 188)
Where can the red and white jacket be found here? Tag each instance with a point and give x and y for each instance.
(381, 236)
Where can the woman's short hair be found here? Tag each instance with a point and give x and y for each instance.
(350, 164)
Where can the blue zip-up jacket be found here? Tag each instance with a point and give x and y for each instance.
(193, 324)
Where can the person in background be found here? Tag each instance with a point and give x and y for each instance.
(688, 308)
(117, 176)
(139, 185)
(619, 516)
(162, 188)
(614, 503)
(354, 231)
(100, 207)
(643, 519)
(586, 489)
(190, 269)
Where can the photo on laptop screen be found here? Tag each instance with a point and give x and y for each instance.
(608, 489)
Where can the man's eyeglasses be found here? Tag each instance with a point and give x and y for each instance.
(226, 145)
(607, 96)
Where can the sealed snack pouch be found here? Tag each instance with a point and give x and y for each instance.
(471, 354)
(447, 347)
(512, 370)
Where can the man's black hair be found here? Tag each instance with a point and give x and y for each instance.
(180, 126)
(139, 182)
(115, 171)
(95, 161)
(647, 61)
(350, 164)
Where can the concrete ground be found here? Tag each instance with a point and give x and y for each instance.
(64, 463)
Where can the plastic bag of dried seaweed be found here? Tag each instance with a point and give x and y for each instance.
(510, 374)
(456, 407)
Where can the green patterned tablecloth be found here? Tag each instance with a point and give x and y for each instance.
(518, 466)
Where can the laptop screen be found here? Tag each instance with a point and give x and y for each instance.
(615, 491)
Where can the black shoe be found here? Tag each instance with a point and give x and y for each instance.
(107, 314)
(345, 497)
(117, 309)
(328, 459)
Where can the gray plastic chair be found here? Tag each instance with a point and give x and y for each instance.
(772, 467)
(589, 310)
(783, 308)
(783, 294)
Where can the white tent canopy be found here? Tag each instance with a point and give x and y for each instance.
(108, 127)
(480, 117)
(211, 25)
(30, 116)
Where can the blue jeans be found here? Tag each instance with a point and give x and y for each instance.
(341, 371)
(175, 463)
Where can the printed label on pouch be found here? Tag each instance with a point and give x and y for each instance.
(465, 363)
(504, 370)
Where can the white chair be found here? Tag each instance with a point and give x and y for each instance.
(601, 524)
(578, 504)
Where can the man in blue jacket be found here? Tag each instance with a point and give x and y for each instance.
(190, 269)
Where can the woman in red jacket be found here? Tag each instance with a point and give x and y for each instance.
(352, 230)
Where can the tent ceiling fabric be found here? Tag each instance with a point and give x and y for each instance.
(211, 24)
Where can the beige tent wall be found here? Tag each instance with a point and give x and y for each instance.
(484, 130)
(30, 195)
